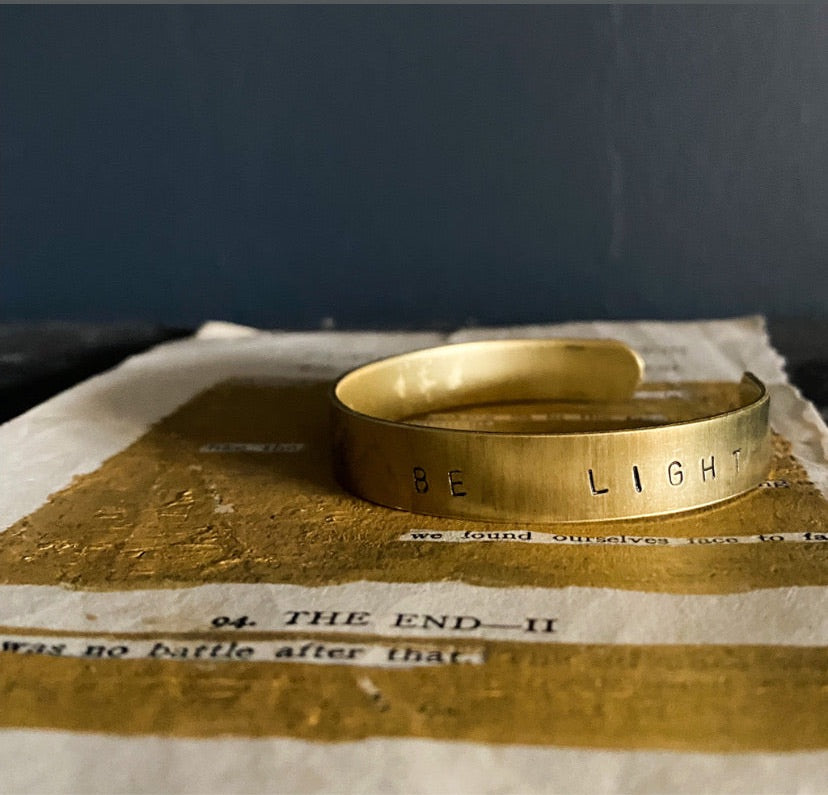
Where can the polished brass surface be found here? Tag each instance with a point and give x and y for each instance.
(389, 449)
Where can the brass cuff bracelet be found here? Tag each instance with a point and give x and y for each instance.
(386, 451)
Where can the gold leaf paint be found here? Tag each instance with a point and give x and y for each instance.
(687, 698)
(163, 513)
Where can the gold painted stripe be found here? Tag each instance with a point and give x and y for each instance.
(691, 698)
(161, 513)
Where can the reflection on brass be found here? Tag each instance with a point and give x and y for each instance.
(163, 513)
(596, 696)
(386, 453)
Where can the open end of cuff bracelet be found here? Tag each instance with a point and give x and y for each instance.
(426, 432)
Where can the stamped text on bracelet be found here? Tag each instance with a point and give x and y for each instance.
(385, 452)
(675, 473)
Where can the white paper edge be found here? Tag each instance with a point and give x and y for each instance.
(52, 761)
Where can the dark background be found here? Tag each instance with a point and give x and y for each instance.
(418, 166)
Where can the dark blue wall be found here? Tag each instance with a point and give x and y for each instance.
(412, 165)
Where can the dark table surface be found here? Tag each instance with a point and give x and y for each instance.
(38, 360)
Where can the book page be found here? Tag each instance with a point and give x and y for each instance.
(190, 602)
